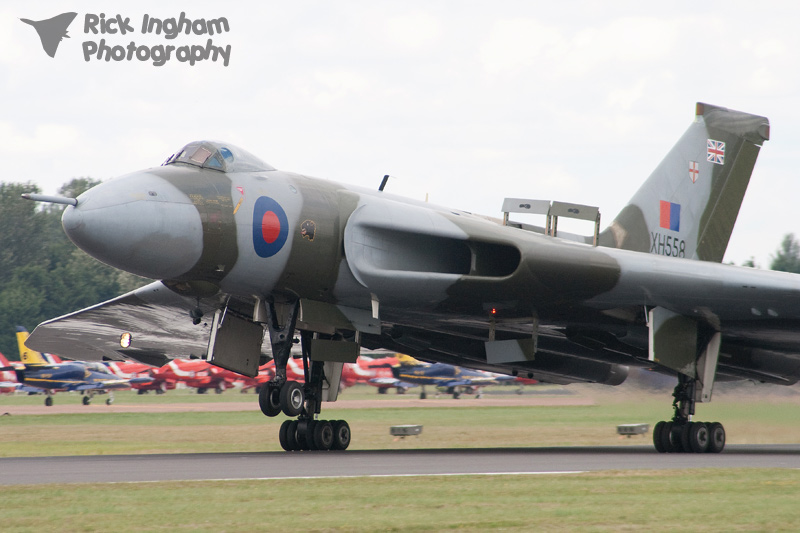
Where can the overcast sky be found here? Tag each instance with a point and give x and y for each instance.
(468, 102)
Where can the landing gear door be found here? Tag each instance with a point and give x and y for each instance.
(235, 344)
(333, 354)
(332, 381)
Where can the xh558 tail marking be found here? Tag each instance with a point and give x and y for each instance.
(242, 248)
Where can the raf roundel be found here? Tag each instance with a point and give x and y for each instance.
(270, 227)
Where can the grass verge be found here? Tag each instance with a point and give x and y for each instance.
(711, 500)
(757, 420)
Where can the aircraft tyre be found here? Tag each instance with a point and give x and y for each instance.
(48, 401)
(86, 400)
(323, 435)
(291, 436)
(685, 445)
(691, 437)
(283, 435)
(657, 442)
(665, 436)
(269, 399)
(697, 437)
(292, 398)
(310, 444)
(303, 441)
(716, 437)
(109, 401)
(341, 435)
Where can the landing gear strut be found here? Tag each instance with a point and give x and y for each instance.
(681, 434)
(296, 399)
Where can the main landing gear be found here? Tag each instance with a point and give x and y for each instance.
(89, 396)
(301, 400)
(296, 399)
(681, 434)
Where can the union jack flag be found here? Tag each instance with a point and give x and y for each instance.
(715, 151)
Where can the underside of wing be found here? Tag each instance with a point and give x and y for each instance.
(156, 318)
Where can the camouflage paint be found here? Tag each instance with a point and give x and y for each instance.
(210, 193)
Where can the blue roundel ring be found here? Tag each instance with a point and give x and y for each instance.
(270, 227)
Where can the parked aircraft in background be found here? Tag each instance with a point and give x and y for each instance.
(378, 373)
(8, 376)
(241, 247)
(196, 373)
(448, 378)
(265, 373)
(141, 373)
(364, 370)
(88, 378)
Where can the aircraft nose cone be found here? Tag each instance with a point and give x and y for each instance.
(138, 223)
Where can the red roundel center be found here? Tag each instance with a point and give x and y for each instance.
(270, 227)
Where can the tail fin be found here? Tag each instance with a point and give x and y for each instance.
(26, 355)
(689, 204)
(406, 360)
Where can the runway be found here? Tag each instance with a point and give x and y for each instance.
(282, 465)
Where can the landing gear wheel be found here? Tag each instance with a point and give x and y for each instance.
(302, 435)
(311, 445)
(283, 435)
(657, 442)
(686, 446)
(291, 436)
(292, 398)
(48, 401)
(269, 399)
(109, 401)
(86, 400)
(323, 435)
(341, 435)
(698, 437)
(716, 437)
(666, 438)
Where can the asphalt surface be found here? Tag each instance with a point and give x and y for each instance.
(277, 465)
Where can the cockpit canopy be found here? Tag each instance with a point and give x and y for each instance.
(217, 156)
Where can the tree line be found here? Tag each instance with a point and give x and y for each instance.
(43, 275)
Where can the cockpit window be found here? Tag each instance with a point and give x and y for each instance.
(218, 156)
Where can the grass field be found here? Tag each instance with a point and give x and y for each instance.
(750, 417)
(704, 500)
(710, 500)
